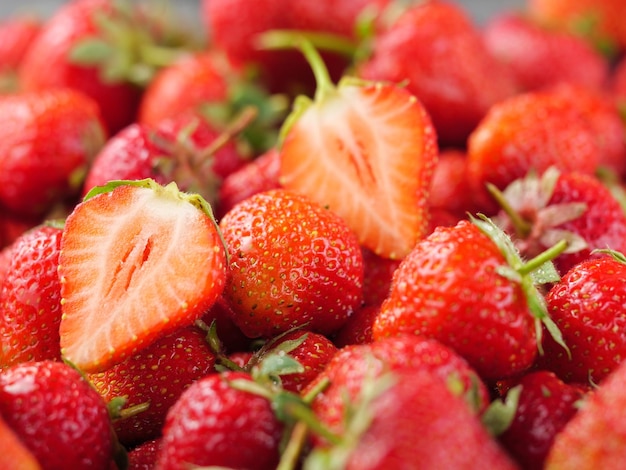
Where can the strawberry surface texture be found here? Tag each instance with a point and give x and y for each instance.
(313, 235)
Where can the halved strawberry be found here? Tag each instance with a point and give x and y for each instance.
(137, 260)
(367, 151)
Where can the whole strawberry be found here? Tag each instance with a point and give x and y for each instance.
(30, 299)
(587, 305)
(56, 413)
(47, 140)
(452, 288)
(215, 424)
(155, 376)
(292, 263)
(17, 32)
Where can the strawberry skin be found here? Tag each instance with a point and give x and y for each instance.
(136, 262)
(367, 153)
(30, 299)
(292, 263)
(13, 453)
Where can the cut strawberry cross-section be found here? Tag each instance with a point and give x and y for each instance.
(137, 260)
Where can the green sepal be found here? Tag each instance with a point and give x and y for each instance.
(498, 417)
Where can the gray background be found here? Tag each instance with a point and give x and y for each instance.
(480, 10)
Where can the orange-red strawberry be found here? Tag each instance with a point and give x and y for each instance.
(47, 140)
(156, 376)
(530, 131)
(451, 287)
(367, 152)
(439, 53)
(292, 263)
(13, 453)
(57, 415)
(30, 299)
(539, 57)
(138, 260)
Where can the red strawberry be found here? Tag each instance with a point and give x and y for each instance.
(156, 375)
(556, 206)
(451, 287)
(57, 415)
(531, 131)
(540, 57)
(16, 34)
(412, 419)
(292, 263)
(358, 328)
(438, 52)
(215, 424)
(351, 365)
(47, 139)
(143, 457)
(587, 305)
(596, 436)
(377, 274)
(544, 407)
(13, 453)
(30, 299)
(367, 152)
(137, 261)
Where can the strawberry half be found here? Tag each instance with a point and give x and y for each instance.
(137, 260)
(366, 150)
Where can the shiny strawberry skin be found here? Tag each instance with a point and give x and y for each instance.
(30, 299)
(211, 419)
(56, 413)
(441, 286)
(47, 138)
(292, 263)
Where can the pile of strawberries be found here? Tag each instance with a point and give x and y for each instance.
(326, 234)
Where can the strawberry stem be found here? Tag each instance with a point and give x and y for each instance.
(521, 226)
(542, 258)
(284, 38)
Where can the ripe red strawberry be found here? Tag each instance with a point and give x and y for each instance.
(143, 457)
(438, 52)
(16, 34)
(13, 453)
(554, 206)
(292, 263)
(587, 305)
(47, 139)
(530, 131)
(351, 365)
(30, 299)
(539, 57)
(358, 328)
(451, 288)
(182, 149)
(544, 407)
(260, 174)
(137, 261)
(596, 436)
(412, 417)
(215, 424)
(56, 414)
(156, 375)
(367, 152)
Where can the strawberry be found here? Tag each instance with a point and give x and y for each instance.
(143, 457)
(530, 131)
(543, 209)
(366, 151)
(539, 57)
(17, 32)
(103, 48)
(351, 365)
(212, 418)
(439, 53)
(156, 375)
(30, 299)
(411, 419)
(544, 407)
(596, 436)
(377, 274)
(57, 415)
(292, 263)
(47, 140)
(358, 328)
(452, 288)
(138, 260)
(586, 304)
(13, 453)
